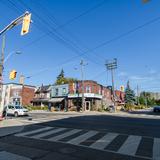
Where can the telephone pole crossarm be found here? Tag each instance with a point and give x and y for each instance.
(112, 65)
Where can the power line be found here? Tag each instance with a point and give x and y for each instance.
(54, 21)
(54, 34)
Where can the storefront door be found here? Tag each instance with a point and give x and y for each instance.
(87, 106)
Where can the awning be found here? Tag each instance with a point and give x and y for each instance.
(54, 100)
(40, 100)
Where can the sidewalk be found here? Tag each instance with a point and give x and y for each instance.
(10, 126)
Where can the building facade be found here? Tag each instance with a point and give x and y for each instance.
(17, 94)
(42, 96)
(96, 96)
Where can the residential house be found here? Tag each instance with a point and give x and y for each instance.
(42, 96)
(59, 96)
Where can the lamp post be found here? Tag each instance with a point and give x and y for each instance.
(10, 54)
(3, 61)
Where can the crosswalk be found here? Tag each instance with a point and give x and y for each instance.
(30, 120)
(131, 145)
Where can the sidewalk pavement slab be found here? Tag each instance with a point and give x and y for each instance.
(10, 156)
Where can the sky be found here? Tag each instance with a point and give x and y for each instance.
(64, 32)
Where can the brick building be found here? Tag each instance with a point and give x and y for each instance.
(17, 94)
(96, 96)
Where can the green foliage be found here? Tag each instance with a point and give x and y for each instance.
(129, 106)
(129, 95)
(146, 99)
(61, 79)
(30, 107)
(140, 107)
(157, 102)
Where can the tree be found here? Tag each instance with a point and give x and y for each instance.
(129, 95)
(147, 99)
(61, 79)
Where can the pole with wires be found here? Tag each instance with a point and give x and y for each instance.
(112, 65)
(82, 79)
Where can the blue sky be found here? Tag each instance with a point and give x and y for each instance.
(64, 32)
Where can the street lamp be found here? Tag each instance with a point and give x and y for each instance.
(10, 54)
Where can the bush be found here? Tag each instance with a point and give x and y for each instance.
(129, 107)
(30, 107)
(100, 110)
(141, 107)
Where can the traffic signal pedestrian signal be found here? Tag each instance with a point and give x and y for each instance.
(26, 24)
(12, 74)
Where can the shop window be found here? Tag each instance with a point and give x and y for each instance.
(88, 89)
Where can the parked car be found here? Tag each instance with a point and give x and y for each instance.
(156, 109)
(16, 110)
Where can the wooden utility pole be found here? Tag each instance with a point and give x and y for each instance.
(1, 69)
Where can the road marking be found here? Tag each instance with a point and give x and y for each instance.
(34, 131)
(156, 149)
(104, 141)
(48, 133)
(82, 137)
(69, 133)
(130, 145)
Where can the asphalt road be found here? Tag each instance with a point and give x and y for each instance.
(86, 137)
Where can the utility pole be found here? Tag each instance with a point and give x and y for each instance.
(1, 69)
(82, 80)
(112, 65)
(137, 95)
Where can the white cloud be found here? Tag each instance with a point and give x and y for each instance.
(141, 78)
(122, 74)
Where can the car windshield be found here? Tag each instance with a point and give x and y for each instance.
(18, 107)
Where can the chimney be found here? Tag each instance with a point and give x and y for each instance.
(21, 79)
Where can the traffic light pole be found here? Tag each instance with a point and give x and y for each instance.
(8, 27)
(14, 23)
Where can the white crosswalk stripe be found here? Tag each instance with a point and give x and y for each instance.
(34, 131)
(80, 137)
(104, 141)
(130, 145)
(48, 133)
(156, 149)
(64, 135)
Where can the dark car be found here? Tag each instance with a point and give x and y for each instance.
(156, 109)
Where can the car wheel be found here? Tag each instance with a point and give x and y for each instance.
(16, 114)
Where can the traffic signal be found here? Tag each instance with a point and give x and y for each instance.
(12, 75)
(26, 24)
(122, 88)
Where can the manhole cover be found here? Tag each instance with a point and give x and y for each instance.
(67, 150)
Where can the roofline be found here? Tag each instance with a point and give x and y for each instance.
(20, 84)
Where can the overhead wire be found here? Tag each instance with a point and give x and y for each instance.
(53, 32)
(52, 18)
(115, 38)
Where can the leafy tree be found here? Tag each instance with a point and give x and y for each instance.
(129, 95)
(146, 99)
(61, 79)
